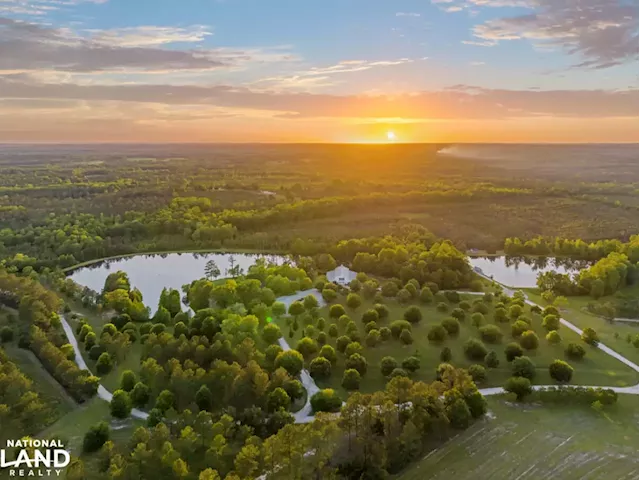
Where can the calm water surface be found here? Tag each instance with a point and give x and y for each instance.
(519, 272)
(151, 273)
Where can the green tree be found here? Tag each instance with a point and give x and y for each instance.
(529, 340)
(204, 398)
(353, 301)
(413, 314)
(128, 380)
(292, 361)
(140, 395)
(278, 399)
(97, 435)
(523, 367)
(104, 364)
(519, 386)
(590, 336)
(326, 400)
(512, 351)
(387, 365)
(560, 371)
(120, 405)
(351, 379)
(320, 368)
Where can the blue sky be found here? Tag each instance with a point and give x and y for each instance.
(336, 66)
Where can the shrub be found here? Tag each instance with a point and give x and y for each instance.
(387, 365)
(477, 319)
(355, 285)
(458, 414)
(385, 333)
(336, 311)
(271, 333)
(96, 437)
(523, 367)
(398, 372)
(398, 326)
(411, 364)
(120, 405)
(476, 285)
(474, 349)
(413, 314)
(412, 289)
(570, 395)
(480, 307)
(322, 338)
(464, 305)
(451, 325)
(128, 380)
(491, 359)
(291, 360)
(357, 362)
(320, 368)
(353, 301)
(500, 315)
(140, 395)
(445, 354)
(333, 330)
(370, 316)
(328, 352)
(551, 322)
(372, 338)
(104, 364)
(95, 352)
(575, 351)
(477, 372)
(452, 296)
(276, 400)
(553, 337)
(550, 310)
(519, 386)
(146, 327)
(90, 340)
(458, 314)
(389, 289)
(590, 336)
(307, 346)
(370, 326)
(426, 295)
(342, 342)
(512, 351)
(165, 400)
(6, 334)
(351, 379)
(326, 400)
(560, 371)
(353, 347)
(442, 307)
(406, 337)
(328, 294)
(529, 340)
(352, 327)
(437, 334)
(491, 334)
(518, 328)
(383, 311)
(403, 296)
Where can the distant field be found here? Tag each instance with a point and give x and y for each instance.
(533, 442)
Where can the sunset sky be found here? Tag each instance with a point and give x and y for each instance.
(318, 70)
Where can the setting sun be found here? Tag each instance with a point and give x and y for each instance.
(391, 136)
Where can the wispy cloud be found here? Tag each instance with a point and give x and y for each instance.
(149, 35)
(603, 33)
(407, 14)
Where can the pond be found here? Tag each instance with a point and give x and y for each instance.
(151, 273)
(522, 272)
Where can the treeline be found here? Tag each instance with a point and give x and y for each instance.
(22, 411)
(577, 249)
(605, 277)
(40, 330)
(374, 436)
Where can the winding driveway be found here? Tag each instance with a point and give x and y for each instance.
(305, 414)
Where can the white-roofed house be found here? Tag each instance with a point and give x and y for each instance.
(341, 275)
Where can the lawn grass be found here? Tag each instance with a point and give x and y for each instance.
(532, 441)
(597, 368)
(613, 335)
(71, 428)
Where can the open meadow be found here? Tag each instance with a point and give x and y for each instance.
(534, 441)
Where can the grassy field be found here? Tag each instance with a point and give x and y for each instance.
(613, 335)
(596, 368)
(531, 442)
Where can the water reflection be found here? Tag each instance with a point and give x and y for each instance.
(150, 273)
(522, 272)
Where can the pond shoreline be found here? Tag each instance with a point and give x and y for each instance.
(249, 251)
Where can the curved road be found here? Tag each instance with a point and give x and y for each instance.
(305, 414)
